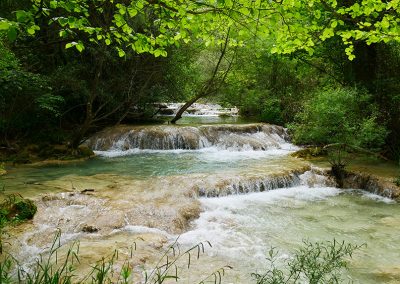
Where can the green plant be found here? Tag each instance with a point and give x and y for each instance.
(14, 209)
(314, 263)
(57, 267)
(397, 181)
(48, 270)
(341, 115)
(6, 266)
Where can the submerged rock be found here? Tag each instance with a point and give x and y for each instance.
(85, 151)
(89, 229)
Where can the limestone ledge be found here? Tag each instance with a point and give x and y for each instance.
(372, 183)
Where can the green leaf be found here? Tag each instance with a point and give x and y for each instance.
(121, 53)
(70, 44)
(31, 31)
(12, 34)
(63, 33)
(62, 21)
(22, 16)
(80, 47)
(4, 25)
(132, 12)
(157, 53)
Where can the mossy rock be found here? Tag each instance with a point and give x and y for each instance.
(17, 208)
(85, 151)
(25, 209)
(310, 152)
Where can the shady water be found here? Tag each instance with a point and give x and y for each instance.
(234, 185)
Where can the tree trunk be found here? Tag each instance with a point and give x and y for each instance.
(89, 118)
(210, 86)
(185, 107)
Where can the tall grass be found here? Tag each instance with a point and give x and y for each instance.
(313, 263)
(55, 267)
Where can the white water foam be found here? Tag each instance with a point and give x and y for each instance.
(376, 197)
(209, 153)
(144, 230)
(226, 220)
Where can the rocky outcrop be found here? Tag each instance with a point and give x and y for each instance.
(371, 183)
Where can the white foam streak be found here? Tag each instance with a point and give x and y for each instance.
(377, 197)
(144, 230)
(209, 153)
(223, 220)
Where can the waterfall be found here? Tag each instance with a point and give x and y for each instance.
(241, 185)
(228, 137)
(170, 109)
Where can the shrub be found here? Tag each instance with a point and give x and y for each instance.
(319, 262)
(341, 115)
(263, 106)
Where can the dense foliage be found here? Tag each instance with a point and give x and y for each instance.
(339, 116)
(68, 68)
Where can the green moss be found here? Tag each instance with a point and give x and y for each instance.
(310, 152)
(16, 208)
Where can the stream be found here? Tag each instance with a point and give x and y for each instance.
(234, 185)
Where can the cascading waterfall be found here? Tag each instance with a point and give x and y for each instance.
(233, 137)
(197, 109)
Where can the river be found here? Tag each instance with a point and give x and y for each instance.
(235, 186)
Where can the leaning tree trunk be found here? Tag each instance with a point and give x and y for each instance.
(211, 85)
(186, 106)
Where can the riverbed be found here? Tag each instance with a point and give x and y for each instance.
(234, 186)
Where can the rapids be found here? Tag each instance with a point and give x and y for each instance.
(233, 185)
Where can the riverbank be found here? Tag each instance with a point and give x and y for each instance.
(42, 155)
(361, 171)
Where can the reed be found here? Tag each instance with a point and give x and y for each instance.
(55, 267)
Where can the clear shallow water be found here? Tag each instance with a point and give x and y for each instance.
(144, 164)
(243, 228)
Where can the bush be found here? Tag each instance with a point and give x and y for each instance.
(263, 106)
(340, 115)
(320, 262)
(27, 105)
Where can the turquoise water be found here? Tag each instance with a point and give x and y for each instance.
(241, 228)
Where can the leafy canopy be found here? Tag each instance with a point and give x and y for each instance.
(286, 25)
